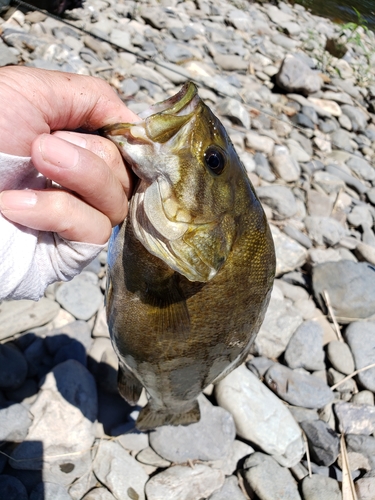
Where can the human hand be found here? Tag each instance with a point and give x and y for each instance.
(89, 167)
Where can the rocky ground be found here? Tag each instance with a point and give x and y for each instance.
(299, 110)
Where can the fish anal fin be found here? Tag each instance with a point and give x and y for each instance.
(129, 387)
(150, 418)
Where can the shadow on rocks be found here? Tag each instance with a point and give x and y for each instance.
(59, 402)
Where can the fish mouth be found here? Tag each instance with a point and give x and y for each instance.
(182, 103)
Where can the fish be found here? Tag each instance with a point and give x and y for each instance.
(191, 269)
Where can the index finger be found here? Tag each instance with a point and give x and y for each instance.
(66, 100)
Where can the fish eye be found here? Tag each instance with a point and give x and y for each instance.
(214, 160)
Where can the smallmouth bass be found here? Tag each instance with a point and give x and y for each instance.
(190, 270)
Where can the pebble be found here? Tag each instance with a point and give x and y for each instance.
(345, 281)
(296, 76)
(320, 488)
(12, 489)
(80, 298)
(13, 367)
(280, 199)
(110, 462)
(259, 414)
(299, 389)
(185, 483)
(268, 480)
(355, 419)
(230, 489)
(208, 439)
(14, 423)
(305, 348)
(360, 337)
(21, 315)
(323, 442)
(340, 356)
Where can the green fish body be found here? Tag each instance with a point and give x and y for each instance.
(190, 270)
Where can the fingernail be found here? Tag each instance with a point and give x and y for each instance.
(58, 152)
(71, 137)
(17, 200)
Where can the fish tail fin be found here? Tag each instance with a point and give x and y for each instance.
(149, 418)
(129, 387)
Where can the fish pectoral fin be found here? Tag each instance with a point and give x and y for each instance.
(129, 387)
(150, 418)
(171, 313)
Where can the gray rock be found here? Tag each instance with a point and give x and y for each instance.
(355, 419)
(231, 62)
(360, 215)
(80, 298)
(345, 281)
(365, 253)
(259, 142)
(329, 182)
(324, 230)
(79, 331)
(280, 199)
(284, 165)
(7, 56)
(347, 178)
(230, 489)
(295, 76)
(208, 439)
(109, 465)
(298, 389)
(348, 386)
(341, 140)
(14, 423)
(149, 457)
(363, 398)
(176, 52)
(302, 414)
(263, 168)
(268, 480)
(362, 444)
(185, 483)
(280, 322)
(259, 415)
(361, 168)
(13, 367)
(360, 337)
(357, 117)
(21, 315)
(305, 348)
(340, 357)
(319, 204)
(235, 111)
(298, 236)
(365, 487)
(290, 255)
(259, 365)
(49, 491)
(12, 489)
(323, 442)
(320, 488)
(132, 441)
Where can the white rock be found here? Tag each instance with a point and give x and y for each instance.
(284, 165)
(260, 416)
(184, 483)
(289, 253)
(120, 472)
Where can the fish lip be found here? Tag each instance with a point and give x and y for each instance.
(184, 102)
